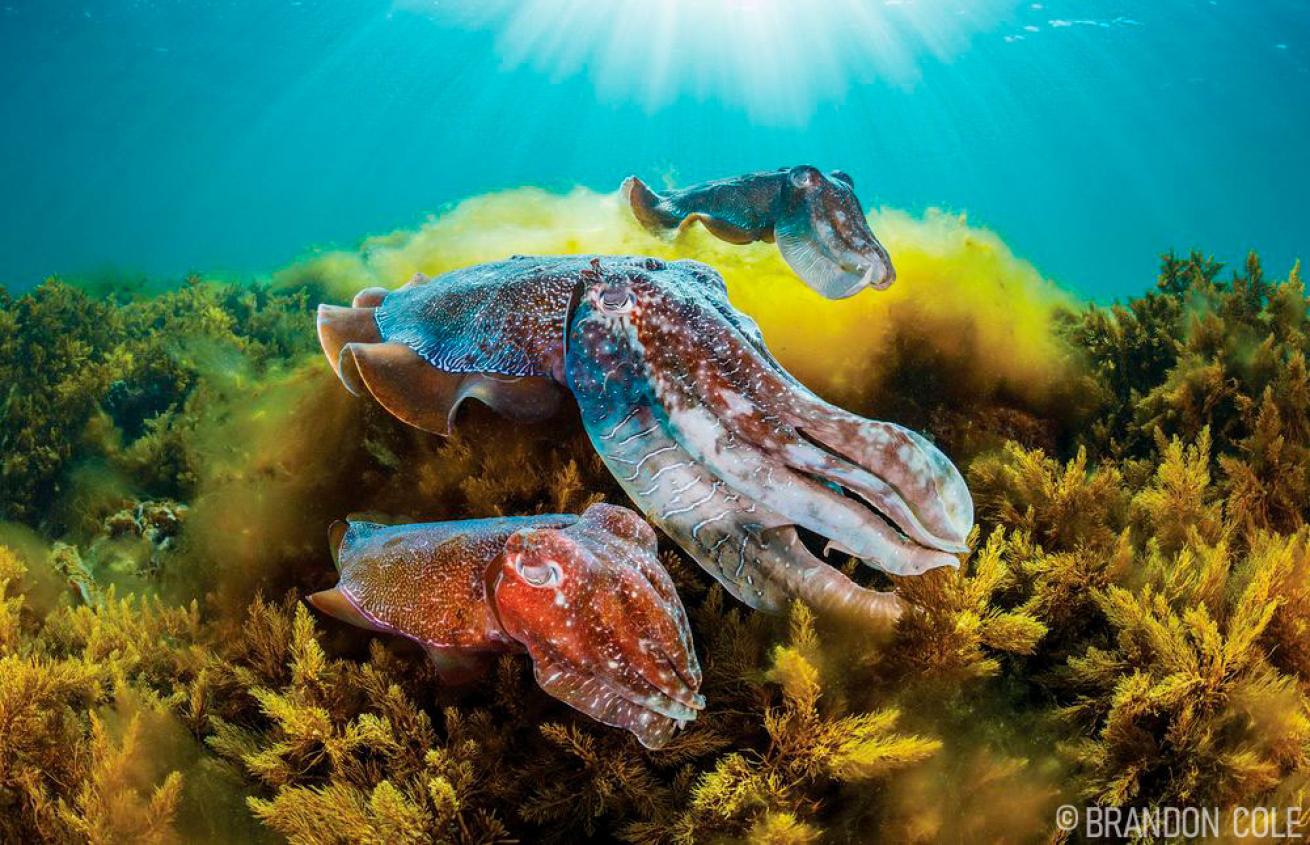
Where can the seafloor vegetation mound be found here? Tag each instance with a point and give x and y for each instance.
(1132, 629)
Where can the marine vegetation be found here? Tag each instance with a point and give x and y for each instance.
(1130, 627)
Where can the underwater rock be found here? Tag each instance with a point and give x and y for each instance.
(584, 595)
(718, 445)
(136, 538)
(155, 521)
(815, 219)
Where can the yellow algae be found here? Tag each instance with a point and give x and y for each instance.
(986, 314)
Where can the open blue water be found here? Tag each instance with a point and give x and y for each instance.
(231, 136)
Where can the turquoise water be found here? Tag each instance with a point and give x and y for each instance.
(232, 137)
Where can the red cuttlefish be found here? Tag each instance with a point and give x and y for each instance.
(585, 596)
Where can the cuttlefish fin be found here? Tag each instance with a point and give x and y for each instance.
(334, 603)
(339, 326)
(591, 695)
(718, 227)
(456, 667)
(647, 206)
(369, 298)
(427, 398)
(659, 215)
(336, 536)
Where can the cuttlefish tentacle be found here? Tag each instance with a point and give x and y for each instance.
(717, 444)
(585, 596)
(815, 218)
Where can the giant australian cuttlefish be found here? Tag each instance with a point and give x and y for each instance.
(584, 595)
(734, 459)
(815, 218)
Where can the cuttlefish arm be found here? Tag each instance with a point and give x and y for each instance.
(585, 596)
(815, 218)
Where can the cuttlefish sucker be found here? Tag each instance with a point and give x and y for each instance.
(814, 217)
(585, 596)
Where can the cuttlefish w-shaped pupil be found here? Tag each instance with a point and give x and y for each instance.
(617, 299)
(540, 574)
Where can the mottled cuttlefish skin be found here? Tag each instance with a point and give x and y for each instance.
(612, 641)
(709, 436)
(585, 596)
(469, 337)
(815, 218)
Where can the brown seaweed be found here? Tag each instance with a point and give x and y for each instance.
(1131, 628)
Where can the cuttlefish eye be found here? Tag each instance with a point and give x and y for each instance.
(545, 574)
(804, 177)
(618, 300)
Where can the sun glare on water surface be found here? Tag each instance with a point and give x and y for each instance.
(776, 59)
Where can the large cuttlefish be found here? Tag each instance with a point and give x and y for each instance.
(721, 448)
(585, 596)
(815, 218)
